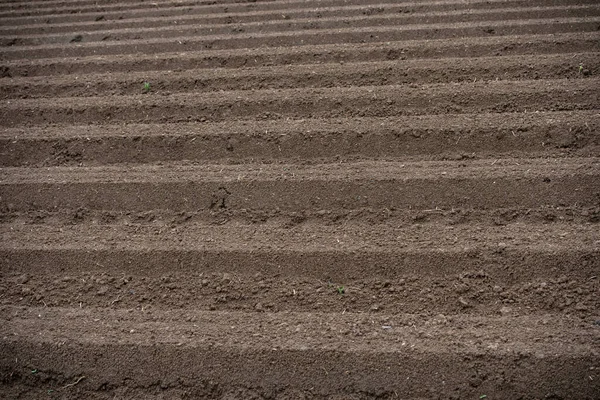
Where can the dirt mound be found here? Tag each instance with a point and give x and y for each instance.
(322, 199)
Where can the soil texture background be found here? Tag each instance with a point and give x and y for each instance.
(319, 199)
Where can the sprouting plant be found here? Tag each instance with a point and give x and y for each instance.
(340, 289)
(146, 86)
(34, 371)
(580, 68)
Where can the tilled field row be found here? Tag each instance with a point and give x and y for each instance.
(367, 34)
(312, 75)
(543, 214)
(182, 28)
(366, 101)
(183, 337)
(478, 184)
(309, 251)
(316, 16)
(421, 268)
(135, 278)
(464, 137)
(465, 48)
(177, 9)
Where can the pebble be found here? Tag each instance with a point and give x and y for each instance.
(505, 310)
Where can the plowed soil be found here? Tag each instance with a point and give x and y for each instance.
(317, 199)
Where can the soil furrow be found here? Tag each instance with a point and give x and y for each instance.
(293, 188)
(379, 170)
(274, 333)
(552, 354)
(232, 7)
(310, 37)
(469, 136)
(367, 101)
(566, 65)
(507, 254)
(68, 14)
(483, 291)
(292, 15)
(395, 217)
(195, 27)
(310, 54)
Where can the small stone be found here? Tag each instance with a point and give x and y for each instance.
(463, 302)
(102, 291)
(505, 310)
(375, 307)
(22, 279)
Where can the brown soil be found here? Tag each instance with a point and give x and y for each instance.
(322, 199)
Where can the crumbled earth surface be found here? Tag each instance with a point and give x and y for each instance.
(317, 199)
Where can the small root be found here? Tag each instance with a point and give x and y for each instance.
(74, 383)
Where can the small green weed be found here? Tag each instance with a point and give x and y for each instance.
(34, 371)
(581, 68)
(339, 289)
(146, 87)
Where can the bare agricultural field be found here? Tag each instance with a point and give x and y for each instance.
(320, 199)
